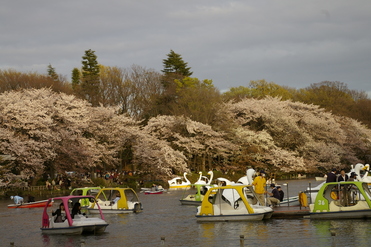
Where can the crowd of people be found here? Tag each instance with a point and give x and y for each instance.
(341, 177)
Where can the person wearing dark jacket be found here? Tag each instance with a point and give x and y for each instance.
(76, 209)
(58, 213)
(274, 198)
(342, 177)
(331, 176)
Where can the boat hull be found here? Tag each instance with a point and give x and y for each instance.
(38, 204)
(190, 202)
(356, 214)
(153, 192)
(73, 230)
(99, 228)
(236, 217)
(111, 211)
(178, 187)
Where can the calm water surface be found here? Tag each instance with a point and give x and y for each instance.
(163, 216)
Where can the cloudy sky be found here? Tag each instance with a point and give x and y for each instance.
(292, 43)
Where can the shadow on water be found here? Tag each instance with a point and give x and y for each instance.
(163, 216)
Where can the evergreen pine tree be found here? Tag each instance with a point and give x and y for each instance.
(75, 79)
(52, 73)
(174, 64)
(90, 77)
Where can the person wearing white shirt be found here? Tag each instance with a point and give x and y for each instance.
(17, 199)
(114, 201)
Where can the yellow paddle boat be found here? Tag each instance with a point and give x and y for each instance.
(234, 202)
(116, 200)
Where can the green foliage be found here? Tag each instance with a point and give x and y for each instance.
(75, 79)
(333, 96)
(237, 94)
(258, 90)
(90, 66)
(90, 78)
(198, 100)
(174, 64)
(52, 73)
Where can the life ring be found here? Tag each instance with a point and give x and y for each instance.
(137, 207)
(334, 195)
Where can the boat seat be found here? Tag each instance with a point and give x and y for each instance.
(225, 208)
(57, 224)
(361, 205)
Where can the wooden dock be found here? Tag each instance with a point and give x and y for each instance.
(290, 212)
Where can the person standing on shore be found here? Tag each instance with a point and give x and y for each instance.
(331, 176)
(259, 187)
(342, 177)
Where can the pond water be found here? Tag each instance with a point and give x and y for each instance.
(164, 216)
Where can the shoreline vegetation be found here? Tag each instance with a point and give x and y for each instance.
(42, 192)
(160, 125)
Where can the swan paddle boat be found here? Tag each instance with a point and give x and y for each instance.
(248, 180)
(232, 203)
(68, 222)
(85, 191)
(37, 204)
(343, 200)
(205, 180)
(116, 200)
(178, 183)
(195, 198)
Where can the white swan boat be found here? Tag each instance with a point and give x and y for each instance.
(179, 183)
(248, 180)
(203, 180)
(70, 223)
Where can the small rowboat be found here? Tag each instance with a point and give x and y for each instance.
(150, 192)
(37, 204)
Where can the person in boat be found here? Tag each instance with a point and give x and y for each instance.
(17, 199)
(259, 187)
(280, 191)
(59, 213)
(154, 187)
(114, 201)
(331, 176)
(31, 198)
(274, 198)
(342, 177)
(353, 177)
(203, 190)
(76, 209)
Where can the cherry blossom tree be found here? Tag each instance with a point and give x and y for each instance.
(198, 142)
(292, 136)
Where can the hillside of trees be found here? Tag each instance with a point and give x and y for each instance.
(164, 123)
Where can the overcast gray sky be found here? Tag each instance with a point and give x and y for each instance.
(290, 42)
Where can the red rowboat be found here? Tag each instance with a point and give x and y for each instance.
(38, 204)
